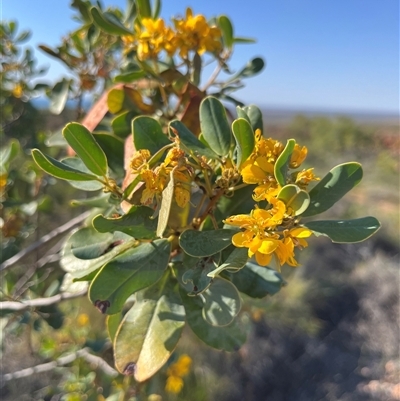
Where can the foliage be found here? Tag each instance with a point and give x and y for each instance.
(196, 207)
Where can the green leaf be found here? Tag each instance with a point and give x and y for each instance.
(115, 100)
(58, 169)
(295, 198)
(129, 77)
(235, 261)
(113, 148)
(59, 96)
(79, 268)
(214, 125)
(137, 223)
(77, 164)
(166, 201)
(243, 40)
(157, 9)
(195, 279)
(282, 163)
(227, 30)
(356, 230)
(91, 246)
(228, 338)
(144, 8)
(86, 147)
(252, 68)
(101, 201)
(149, 332)
(113, 322)
(205, 243)
(244, 137)
(340, 180)
(9, 152)
(255, 117)
(257, 281)
(148, 134)
(122, 124)
(135, 269)
(108, 22)
(189, 141)
(221, 303)
(242, 114)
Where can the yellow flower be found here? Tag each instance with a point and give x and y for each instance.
(195, 34)
(174, 384)
(293, 238)
(139, 159)
(175, 373)
(298, 156)
(305, 176)
(256, 171)
(155, 183)
(258, 237)
(18, 90)
(154, 38)
(82, 319)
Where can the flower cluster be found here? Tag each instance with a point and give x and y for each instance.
(271, 231)
(156, 179)
(189, 34)
(175, 373)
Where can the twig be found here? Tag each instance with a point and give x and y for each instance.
(51, 256)
(35, 303)
(46, 367)
(56, 232)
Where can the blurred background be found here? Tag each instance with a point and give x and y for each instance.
(332, 82)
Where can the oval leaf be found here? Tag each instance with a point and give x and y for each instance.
(128, 77)
(257, 281)
(228, 338)
(149, 332)
(135, 269)
(79, 268)
(148, 134)
(58, 169)
(221, 303)
(348, 231)
(340, 180)
(165, 209)
(205, 243)
(244, 137)
(255, 117)
(86, 147)
(235, 261)
(214, 125)
(189, 141)
(137, 223)
(282, 163)
(227, 30)
(108, 22)
(295, 198)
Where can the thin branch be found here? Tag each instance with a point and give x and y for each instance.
(65, 360)
(51, 256)
(36, 303)
(46, 238)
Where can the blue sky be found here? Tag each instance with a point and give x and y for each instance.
(320, 54)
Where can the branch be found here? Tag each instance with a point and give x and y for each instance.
(12, 306)
(46, 367)
(59, 230)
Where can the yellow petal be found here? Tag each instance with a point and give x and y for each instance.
(239, 220)
(300, 232)
(242, 239)
(268, 246)
(252, 174)
(263, 259)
